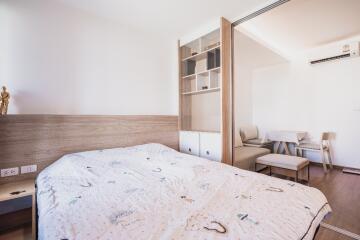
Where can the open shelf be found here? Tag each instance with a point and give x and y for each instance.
(200, 83)
(202, 91)
(217, 69)
(201, 55)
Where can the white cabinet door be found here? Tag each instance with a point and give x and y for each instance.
(189, 142)
(210, 146)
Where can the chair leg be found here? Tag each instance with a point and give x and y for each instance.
(270, 171)
(308, 174)
(276, 147)
(296, 176)
(323, 160)
(286, 149)
(330, 158)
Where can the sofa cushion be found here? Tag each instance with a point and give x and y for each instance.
(283, 161)
(255, 141)
(238, 141)
(244, 157)
(248, 132)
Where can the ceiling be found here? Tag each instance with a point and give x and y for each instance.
(252, 55)
(174, 17)
(304, 24)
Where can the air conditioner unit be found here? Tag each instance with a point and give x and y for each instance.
(331, 53)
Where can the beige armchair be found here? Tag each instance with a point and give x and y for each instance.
(250, 137)
(245, 156)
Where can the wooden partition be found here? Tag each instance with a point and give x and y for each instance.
(42, 139)
(226, 103)
(205, 91)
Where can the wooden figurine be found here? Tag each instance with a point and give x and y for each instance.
(5, 96)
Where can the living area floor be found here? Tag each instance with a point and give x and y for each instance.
(342, 191)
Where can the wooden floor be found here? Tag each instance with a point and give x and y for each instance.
(342, 191)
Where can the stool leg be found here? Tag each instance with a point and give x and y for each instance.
(323, 160)
(330, 158)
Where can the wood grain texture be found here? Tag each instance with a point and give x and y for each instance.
(343, 193)
(42, 139)
(26, 188)
(185, 101)
(226, 115)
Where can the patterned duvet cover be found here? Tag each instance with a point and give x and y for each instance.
(154, 192)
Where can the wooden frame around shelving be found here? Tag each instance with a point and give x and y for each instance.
(223, 85)
(226, 103)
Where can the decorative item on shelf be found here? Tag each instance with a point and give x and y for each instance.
(194, 53)
(212, 46)
(5, 96)
(204, 87)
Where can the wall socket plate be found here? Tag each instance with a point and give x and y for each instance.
(28, 169)
(7, 172)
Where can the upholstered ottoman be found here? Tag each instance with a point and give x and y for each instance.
(291, 163)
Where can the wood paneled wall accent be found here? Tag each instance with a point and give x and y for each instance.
(185, 101)
(226, 115)
(42, 139)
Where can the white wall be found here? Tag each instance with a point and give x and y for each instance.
(297, 96)
(58, 60)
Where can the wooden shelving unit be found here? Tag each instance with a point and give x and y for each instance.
(204, 89)
(200, 75)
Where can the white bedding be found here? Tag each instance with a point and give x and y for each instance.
(154, 192)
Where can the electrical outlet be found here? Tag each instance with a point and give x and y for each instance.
(7, 172)
(28, 169)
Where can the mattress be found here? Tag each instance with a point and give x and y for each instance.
(154, 192)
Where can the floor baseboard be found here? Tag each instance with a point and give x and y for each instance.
(340, 230)
(351, 170)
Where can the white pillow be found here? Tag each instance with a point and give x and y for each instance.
(238, 141)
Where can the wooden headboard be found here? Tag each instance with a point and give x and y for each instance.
(42, 139)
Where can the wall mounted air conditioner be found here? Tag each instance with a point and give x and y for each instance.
(331, 53)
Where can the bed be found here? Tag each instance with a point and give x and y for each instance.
(154, 192)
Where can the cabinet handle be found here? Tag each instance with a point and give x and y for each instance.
(189, 149)
(207, 152)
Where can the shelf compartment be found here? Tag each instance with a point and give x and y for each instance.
(217, 69)
(213, 59)
(203, 82)
(214, 78)
(200, 56)
(189, 67)
(189, 85)
(210, 40)
(202, 91)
